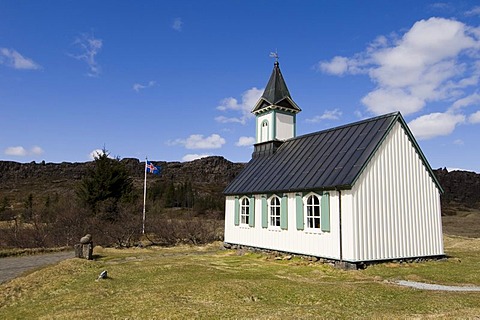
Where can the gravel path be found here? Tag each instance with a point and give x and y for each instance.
(436, 287)
(12, 267)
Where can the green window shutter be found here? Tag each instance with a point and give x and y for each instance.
(251, 219)
(325, 212)
(284, 213)
(264, 212)
(236, 218)
(299, 211)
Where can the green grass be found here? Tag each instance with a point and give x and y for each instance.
(207, 283)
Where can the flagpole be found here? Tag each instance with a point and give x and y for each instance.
(144, 196)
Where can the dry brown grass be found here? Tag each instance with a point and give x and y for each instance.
(202, 282)
(465, 223)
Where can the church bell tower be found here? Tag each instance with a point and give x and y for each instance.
(275, 111)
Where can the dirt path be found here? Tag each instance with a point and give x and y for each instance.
(12, 267)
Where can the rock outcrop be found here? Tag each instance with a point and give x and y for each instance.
(17, 180)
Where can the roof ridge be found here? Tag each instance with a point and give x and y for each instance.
(396, 113)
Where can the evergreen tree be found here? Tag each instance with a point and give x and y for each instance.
(28, 204)
(170, 196)
(47, 211)
(5, 210)
(4, 205)
(104, 186)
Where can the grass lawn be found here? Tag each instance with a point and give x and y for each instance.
(208, 283)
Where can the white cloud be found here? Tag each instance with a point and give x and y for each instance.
(16, 151)
(97, 152)
(459, 142)
(435, 124)
(334, 114)
(223, 119)
(177, 24)
(89, 48)
(440, 6)
(431, 62)
(198, 141)
(359, 114)
(20, 151)
(245, 142)
(137, 86)
(13, 59)
(342, 65)
(387, 100)
(473, 99)
(475, 11)
(337, 66)
(475, 117)
(36, 150)
(248, 100)
(194, 156)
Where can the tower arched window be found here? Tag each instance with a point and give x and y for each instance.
(264, 132)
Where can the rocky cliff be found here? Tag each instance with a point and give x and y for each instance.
(17, 180)
(462, 188)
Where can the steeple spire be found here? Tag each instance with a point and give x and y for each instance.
(276, 94)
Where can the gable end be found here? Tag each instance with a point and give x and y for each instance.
(411, 138)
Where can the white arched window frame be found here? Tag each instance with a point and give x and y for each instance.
(264, 133)
(274, 209)
(244, 211)
(312, 212)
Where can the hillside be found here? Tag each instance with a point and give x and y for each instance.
(210, 175)
(18, 180)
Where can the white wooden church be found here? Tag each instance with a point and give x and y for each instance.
(356, 193)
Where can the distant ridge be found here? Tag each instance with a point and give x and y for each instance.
(17, 180)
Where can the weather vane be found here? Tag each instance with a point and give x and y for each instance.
(274, 55)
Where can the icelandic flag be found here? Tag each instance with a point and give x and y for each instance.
(152, 169)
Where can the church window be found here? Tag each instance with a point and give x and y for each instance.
(313, 212)
(245, 211)
(264, 133)
(274, 212)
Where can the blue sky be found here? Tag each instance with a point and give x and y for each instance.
(175, 80)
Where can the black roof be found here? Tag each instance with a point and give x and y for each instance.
(325, 160)
(276, 93)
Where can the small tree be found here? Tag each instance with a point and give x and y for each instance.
(6, 212)
(170, 200)
(28, 205)
(104, 186)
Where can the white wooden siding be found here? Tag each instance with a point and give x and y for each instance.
(393, 211)
(285, 126)
(262, 136)
(320, 244)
